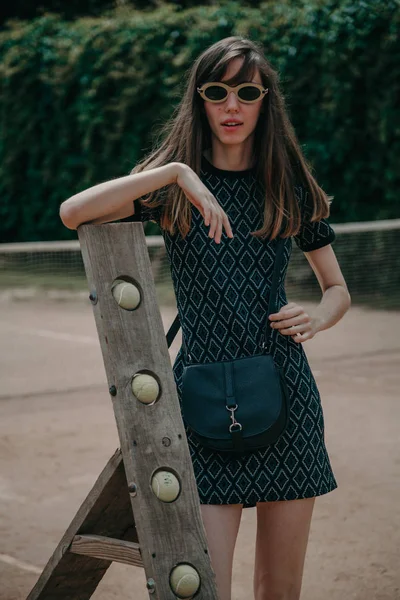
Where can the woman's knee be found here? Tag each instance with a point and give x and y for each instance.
(281, 544)
(271, 591)
(268, 595)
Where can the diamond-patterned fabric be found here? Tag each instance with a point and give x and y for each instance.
(222, 293)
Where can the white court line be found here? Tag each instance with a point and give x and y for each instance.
(7, 494)
(55, 335)
(20, 564)
(67, 337)
(87, 479)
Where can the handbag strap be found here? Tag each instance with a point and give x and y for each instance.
(272, 304)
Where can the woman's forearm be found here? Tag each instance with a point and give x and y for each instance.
(334, 304)
(112, 196)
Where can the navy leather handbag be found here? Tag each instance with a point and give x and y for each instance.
(240, 405)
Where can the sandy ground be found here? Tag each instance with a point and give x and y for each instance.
(57, 430)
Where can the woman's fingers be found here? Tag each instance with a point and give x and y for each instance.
(218, 232)
(216, 218)
(220, 222)
(227, 226)
(216, 224)
(199, 195)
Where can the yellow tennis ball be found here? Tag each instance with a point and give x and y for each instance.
(184, 581)
(125, 294)
(165, 486)
(145, 387)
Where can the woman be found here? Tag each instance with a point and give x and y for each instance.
(243, 185)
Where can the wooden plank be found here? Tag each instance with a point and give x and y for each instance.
(151, 436)
(105, 511)
(106, 548)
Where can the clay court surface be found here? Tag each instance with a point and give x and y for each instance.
(57, 430)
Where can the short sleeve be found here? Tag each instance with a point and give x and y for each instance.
(311, 236)
(144, 212)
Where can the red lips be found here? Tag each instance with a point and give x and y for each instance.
(232, 121)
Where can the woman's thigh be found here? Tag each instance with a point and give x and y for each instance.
(282, 536)
(221, 523)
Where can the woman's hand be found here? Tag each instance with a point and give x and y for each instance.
(201, 197)
(294, 321)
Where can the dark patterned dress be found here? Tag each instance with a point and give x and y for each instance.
(222, 293)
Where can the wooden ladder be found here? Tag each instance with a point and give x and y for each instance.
(144, 508)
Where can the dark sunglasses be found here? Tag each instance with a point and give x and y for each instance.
(218, 92)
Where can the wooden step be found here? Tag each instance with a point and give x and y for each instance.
(107, 548)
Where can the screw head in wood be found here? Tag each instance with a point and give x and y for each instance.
(132, 489)
(151, 585)
(93, 297)
(113, 390)
(166, 441)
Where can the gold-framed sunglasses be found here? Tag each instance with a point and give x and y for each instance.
(216, 91)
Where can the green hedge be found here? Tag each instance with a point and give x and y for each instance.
(81, 101)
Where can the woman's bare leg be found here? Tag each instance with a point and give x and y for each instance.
(282, 536)
(221, 522)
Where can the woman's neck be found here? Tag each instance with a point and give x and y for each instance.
(228, 163)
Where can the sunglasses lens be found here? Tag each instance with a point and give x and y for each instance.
(215, 92)
(249, 93)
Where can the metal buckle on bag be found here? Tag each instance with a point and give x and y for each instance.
(264, 342)
(234, 422)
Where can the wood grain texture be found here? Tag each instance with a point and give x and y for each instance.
(105, 511)
(169, 533)
(105, 548)
(122, 506)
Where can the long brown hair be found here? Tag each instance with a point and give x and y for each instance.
(279, 161)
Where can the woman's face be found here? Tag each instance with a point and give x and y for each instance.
(247, 114)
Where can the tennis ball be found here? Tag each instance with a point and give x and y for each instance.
(165, 486)
(184, 581)
(145, 388)
(125, 294)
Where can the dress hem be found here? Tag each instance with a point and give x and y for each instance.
(253, 505)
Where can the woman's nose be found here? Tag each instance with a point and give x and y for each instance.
(232, 99)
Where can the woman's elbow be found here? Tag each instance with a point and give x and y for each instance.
(67, 216)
